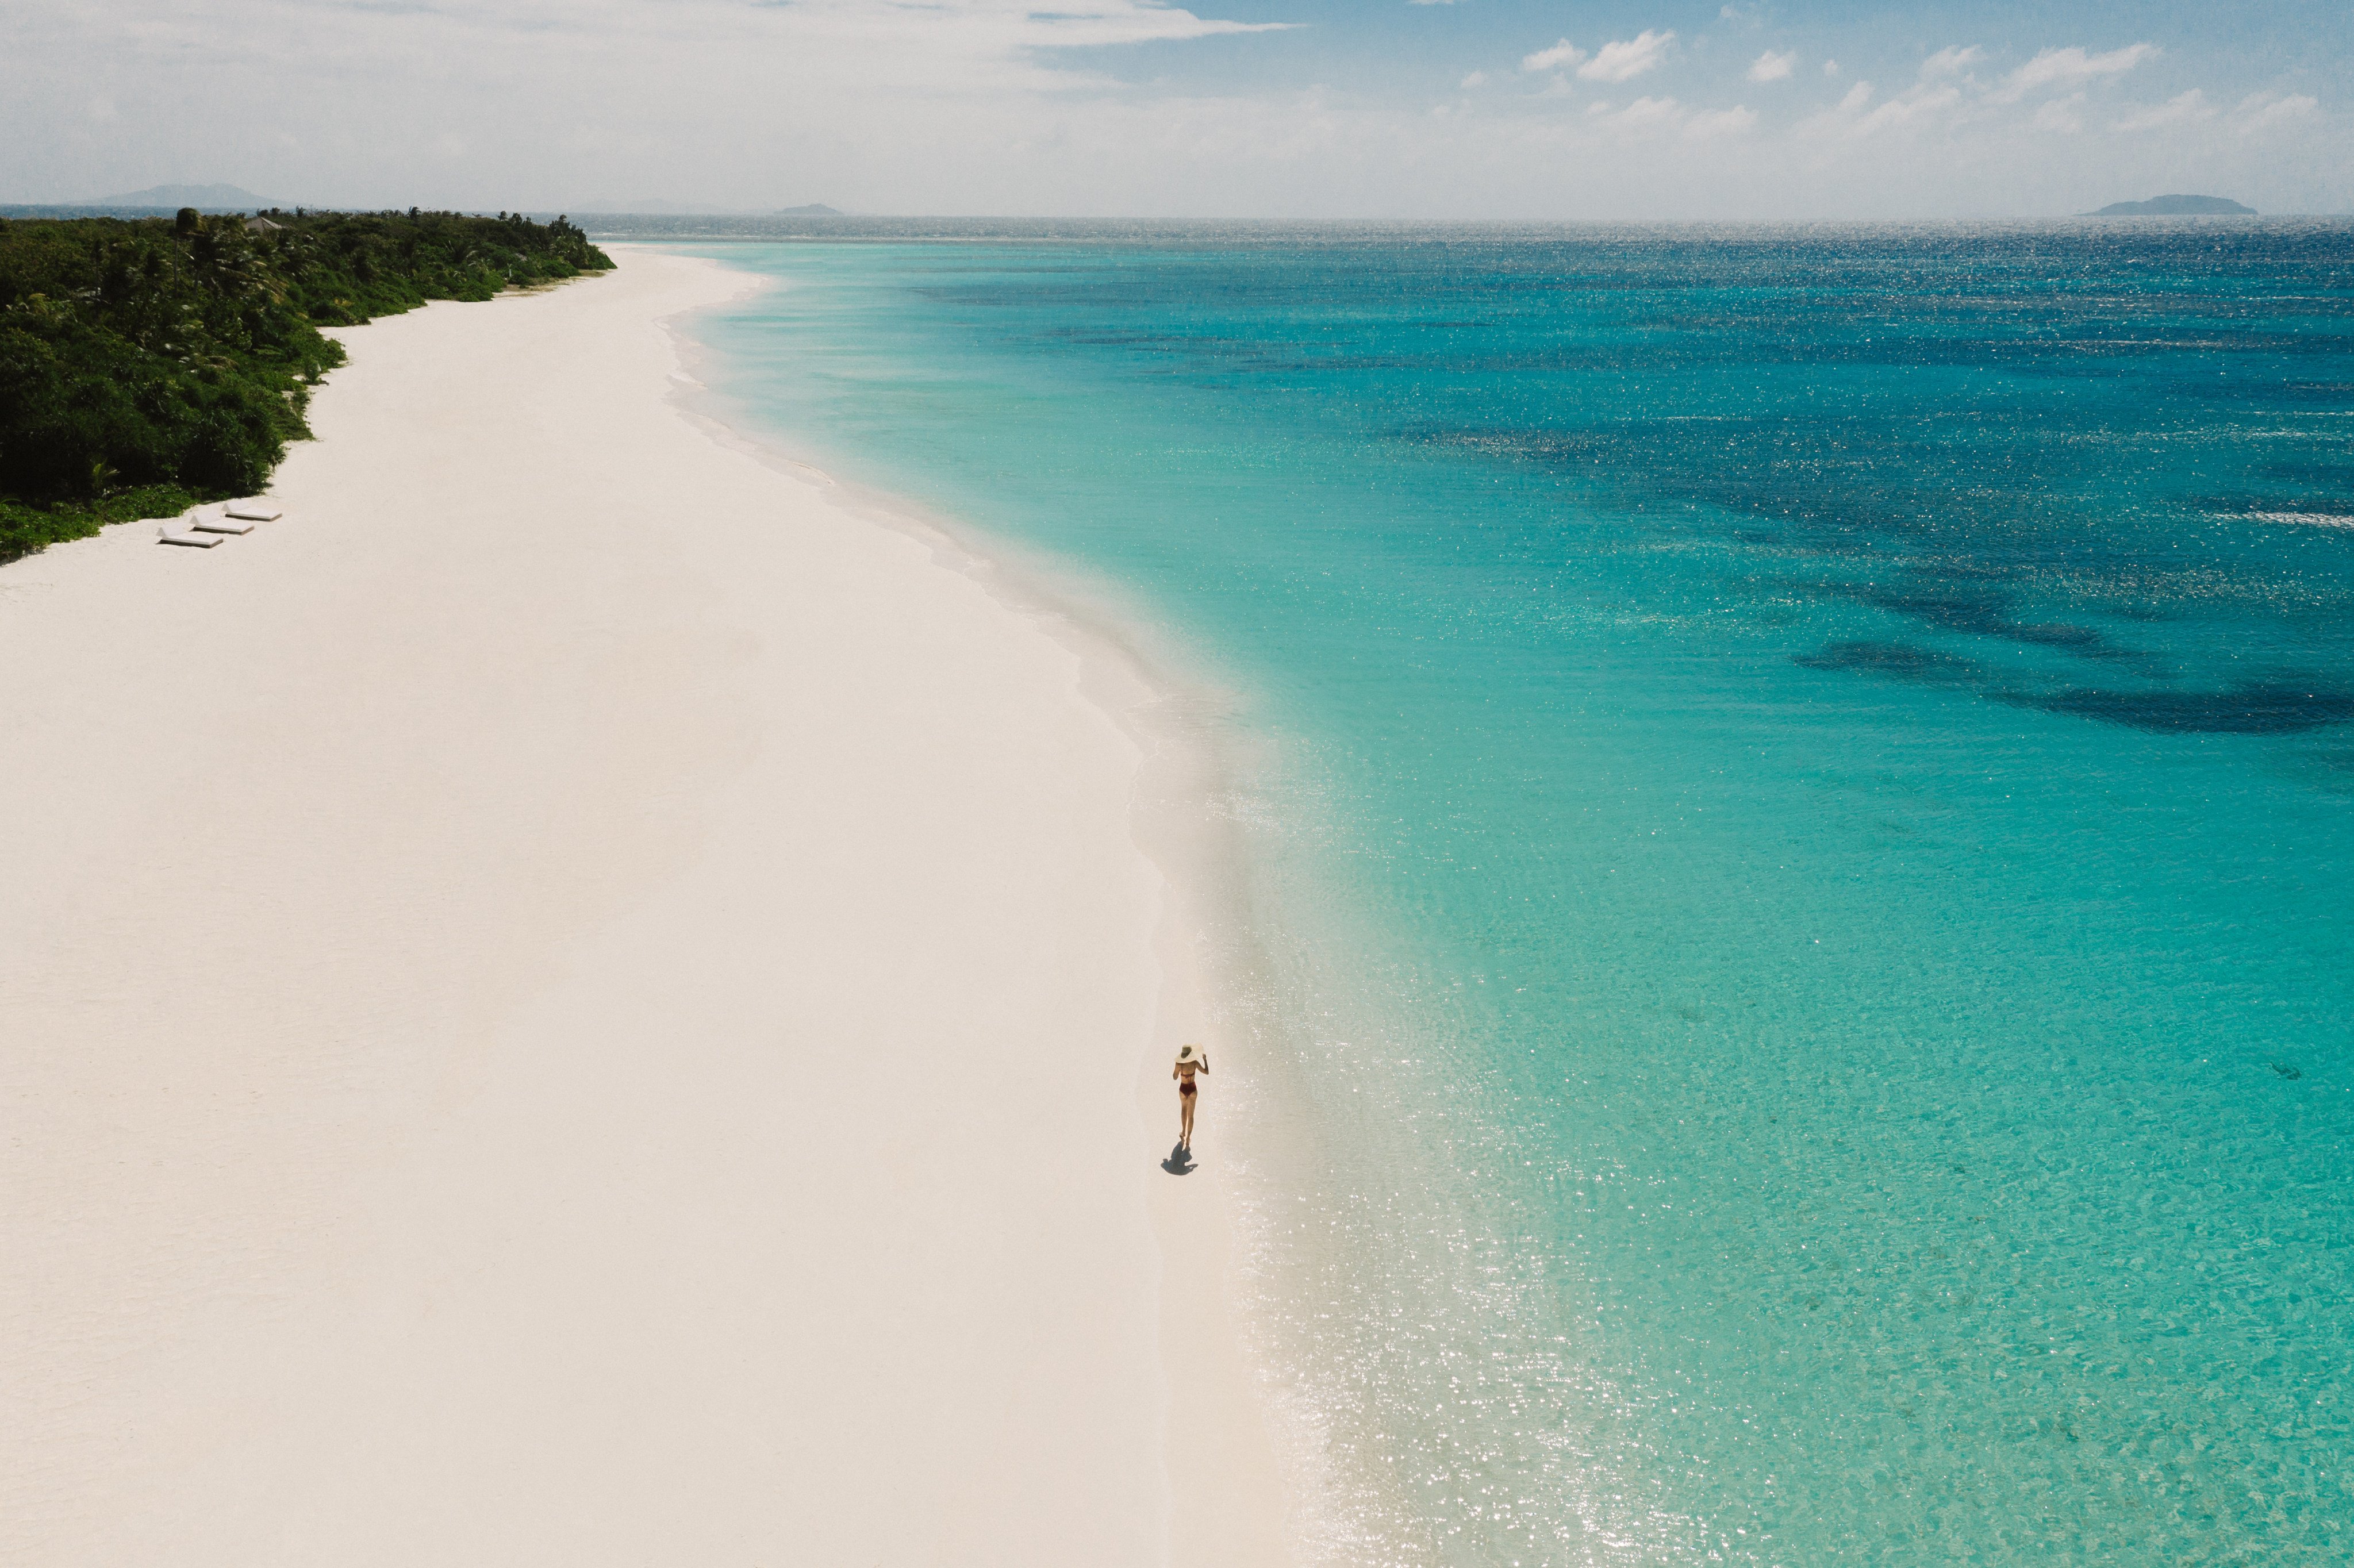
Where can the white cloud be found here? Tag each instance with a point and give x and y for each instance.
(2070, 66)
(1950, 61)
(2260, 110)
(950, 106)
(1477, 79)
(1648, 114)
(1649, 117)
(1562, 54)
(1736, 120)
(500, 79)
(1771, 67)
(1923, 102)
(2060, 114)
(973, 29)
(1831, 68)
(1626, 58)
(1855, 116)
(2182, 109)
(1949, 94)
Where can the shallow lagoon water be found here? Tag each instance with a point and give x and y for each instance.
(1802, 839)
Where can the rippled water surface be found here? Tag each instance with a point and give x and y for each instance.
(1802, 851)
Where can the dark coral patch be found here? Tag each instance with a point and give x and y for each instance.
(2253, 707)
(1897, 660)
(2259, 707)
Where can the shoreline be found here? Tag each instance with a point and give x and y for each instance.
(1133, 678)
(1193, 765)
(455, 1077)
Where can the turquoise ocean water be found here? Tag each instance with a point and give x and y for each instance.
(1801, 834)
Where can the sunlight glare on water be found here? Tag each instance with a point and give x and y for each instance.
(1801, 853)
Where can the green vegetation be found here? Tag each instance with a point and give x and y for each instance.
(147, 365)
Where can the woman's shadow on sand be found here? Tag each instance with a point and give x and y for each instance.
(1179, 1162)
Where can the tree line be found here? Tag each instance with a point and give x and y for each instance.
(150, 363)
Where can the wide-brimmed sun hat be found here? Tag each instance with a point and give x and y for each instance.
(1189, 1052)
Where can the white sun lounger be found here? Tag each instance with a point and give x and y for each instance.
(254, 509)
(166, 536)
(210, 520)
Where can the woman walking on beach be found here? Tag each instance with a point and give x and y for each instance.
(1190, 1059)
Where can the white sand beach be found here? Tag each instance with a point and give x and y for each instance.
(574, 1002)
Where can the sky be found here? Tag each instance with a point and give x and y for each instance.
(1284, 108)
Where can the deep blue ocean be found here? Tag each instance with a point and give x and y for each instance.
(1800, 823)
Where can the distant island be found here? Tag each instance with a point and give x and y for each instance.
(2176, 207)
(204, 198)
(814, 210)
